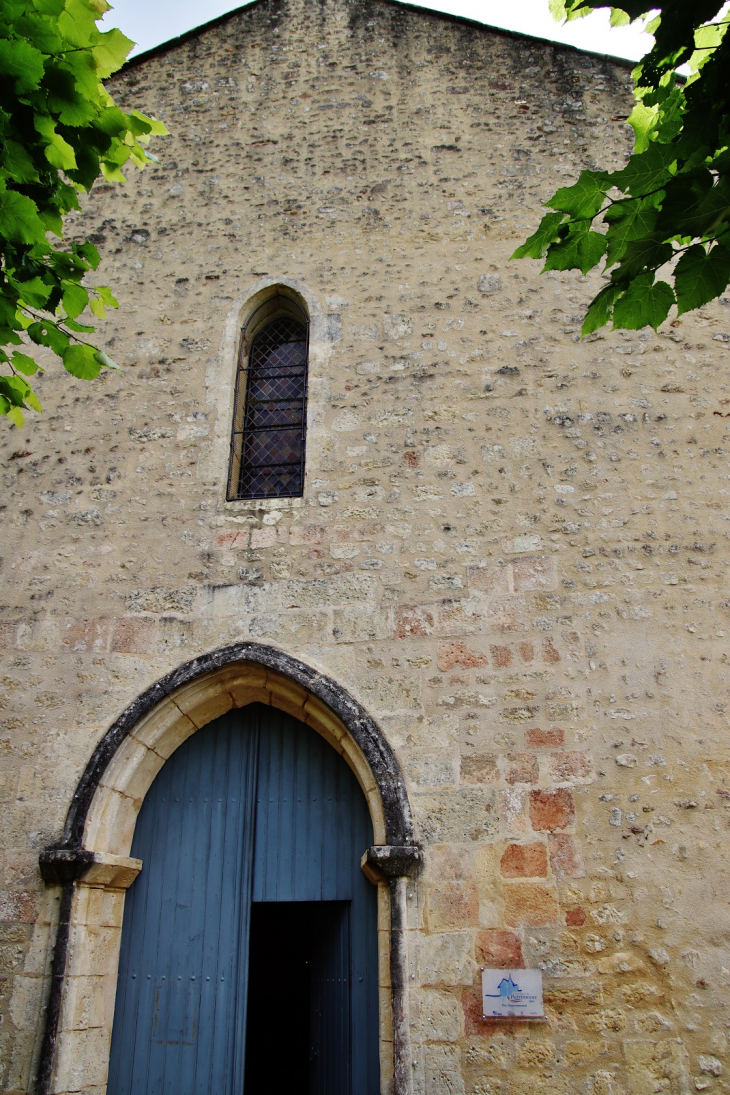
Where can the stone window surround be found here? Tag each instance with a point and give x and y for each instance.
(93, 867)
(220, 380)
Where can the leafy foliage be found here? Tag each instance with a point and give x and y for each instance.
(670, 204)
(59, 130)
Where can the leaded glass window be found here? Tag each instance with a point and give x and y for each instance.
(268, 437)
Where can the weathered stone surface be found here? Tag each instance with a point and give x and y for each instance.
(506, 574)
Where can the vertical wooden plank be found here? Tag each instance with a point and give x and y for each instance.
(312, 826)
(180, 1009)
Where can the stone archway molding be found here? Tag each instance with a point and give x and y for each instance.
(93, 865)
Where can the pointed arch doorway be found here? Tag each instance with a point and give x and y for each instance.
(248, 959)
(92, 870)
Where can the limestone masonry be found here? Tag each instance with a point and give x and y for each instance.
(512, 548)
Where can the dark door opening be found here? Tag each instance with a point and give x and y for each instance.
(298, 1026)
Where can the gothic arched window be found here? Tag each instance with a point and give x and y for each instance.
(267, 452)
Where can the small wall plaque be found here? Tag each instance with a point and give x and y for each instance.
(512, 993)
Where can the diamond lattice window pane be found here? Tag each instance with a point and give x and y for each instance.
(272, 445)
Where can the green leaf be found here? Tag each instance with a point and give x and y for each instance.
(19, 220)
(645, 303)
(600, 309)
(642, 254)
(97, 307)
(18, 163)
(48, 334)
(34, 292)
(642, 120)
(107, 362)
(79, 328)
(701, 276)
(75, 299)
(646, 171)
(619, 18)
(585, 197)
(581, 250)
(107, 296)
(22, 63)
(24, 364)
(81, 362)
(111, 52)
(537, 244)
(58, 152)
(628, 221)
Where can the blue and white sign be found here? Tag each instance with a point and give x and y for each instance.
(512, 993)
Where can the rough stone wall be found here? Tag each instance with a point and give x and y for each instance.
(512, 546)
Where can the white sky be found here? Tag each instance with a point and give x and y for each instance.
(149, 22)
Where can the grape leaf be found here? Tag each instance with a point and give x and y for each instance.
(701, 276)
(584, 198)
(645, 303)
(81, 362)
(19, 220)
(580, 250)
(600, 309)
(536, 246)
(22, 63)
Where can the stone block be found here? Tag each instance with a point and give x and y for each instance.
(566, 858)
(360, 623)
(499, 950)
(17, 906)
(316, 592)
(431, 769)
(524, 861)
(552, 809)
(501, 656)
(529, 904)
(574, 766)
(457, 816)
(450, 906)
(512, 803)
(413, 622)
(544, 739)
(507, 614)
(293, 626)
(451, 863)
(90, 635)
(442, 1070)
(479, 768)
(458, 618)
(134, 635)
(534, 572)
(440, 1014)
(305, 534)
(445, 959)
(263, 537)
(521, 768)
(453, 654)
(82, 1060)
(388, 694)
(490, 579)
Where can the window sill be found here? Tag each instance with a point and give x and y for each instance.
(257, 505)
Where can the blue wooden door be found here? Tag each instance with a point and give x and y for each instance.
(254, 807)
(312, 826)
(180, 1015)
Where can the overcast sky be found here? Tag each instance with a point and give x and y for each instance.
(149, 22)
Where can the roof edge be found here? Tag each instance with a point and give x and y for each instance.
(459, 20)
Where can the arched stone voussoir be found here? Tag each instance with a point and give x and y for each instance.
(133, 750)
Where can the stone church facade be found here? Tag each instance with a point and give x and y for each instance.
(501, 595)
